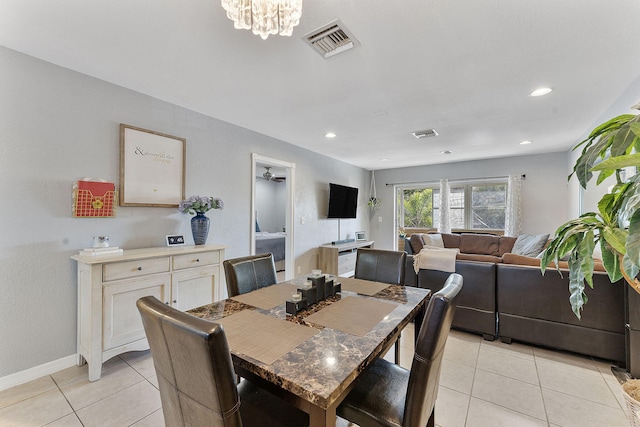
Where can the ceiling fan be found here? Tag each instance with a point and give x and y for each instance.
(269, 176)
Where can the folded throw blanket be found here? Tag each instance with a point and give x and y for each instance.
(434, 258)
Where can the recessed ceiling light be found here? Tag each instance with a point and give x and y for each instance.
(446, 152)
(526, 142)
(384, 160)
(541, 91)
(329, 135)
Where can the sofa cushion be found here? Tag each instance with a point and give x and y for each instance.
(482, 244)
(506, 244)
(511, 258)
(478, 257)
(416, 242)
(433, 240)
(530, 245)
(535, 262)
(451, 240)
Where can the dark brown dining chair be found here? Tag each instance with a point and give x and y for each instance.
(388, 395)
(195, 375)
(249, 273)
(382, 266)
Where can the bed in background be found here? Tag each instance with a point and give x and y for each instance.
(272, 243)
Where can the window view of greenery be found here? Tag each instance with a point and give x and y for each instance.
(488, 206)
(415, 206)
(472, 206)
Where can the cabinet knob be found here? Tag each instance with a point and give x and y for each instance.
(139, 268)
(167, 303)
(197, 259)
(175, 301)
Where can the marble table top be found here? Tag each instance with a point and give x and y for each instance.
(322, 367)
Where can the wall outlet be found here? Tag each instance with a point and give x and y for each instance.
(379, 219)
(302, 220)
(299, 270)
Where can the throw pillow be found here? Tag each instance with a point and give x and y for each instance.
(416, 242)
(529, 245)
(433, 239)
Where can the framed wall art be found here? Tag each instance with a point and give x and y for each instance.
(152, 168)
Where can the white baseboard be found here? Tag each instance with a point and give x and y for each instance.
(36, 372)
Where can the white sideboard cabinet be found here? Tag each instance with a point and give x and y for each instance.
(340, 259)
(109, 324)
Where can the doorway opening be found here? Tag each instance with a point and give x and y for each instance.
(272, 225)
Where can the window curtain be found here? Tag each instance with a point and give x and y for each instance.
(445, 220)
(513, 214)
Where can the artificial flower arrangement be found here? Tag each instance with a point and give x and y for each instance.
(200, 204)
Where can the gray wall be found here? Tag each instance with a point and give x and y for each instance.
(544, 191)
(58, 126)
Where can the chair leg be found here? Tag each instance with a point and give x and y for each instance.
(397, 351)
(432, 419)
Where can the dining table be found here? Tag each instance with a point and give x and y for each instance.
(311, 359)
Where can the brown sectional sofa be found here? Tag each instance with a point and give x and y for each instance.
(505, 295)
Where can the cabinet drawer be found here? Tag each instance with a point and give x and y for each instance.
(195, 260)
(346, 263)
(123, 270)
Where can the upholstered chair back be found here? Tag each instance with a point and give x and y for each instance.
(249, 273)
(380, 266)
(193, 364)
(424, 377)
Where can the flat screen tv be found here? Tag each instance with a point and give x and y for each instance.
(343, 201)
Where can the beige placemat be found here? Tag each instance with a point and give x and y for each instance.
(263, 337)
(353, 315)
(364, 287)
(269, 297)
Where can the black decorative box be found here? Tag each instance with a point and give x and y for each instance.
(328, 288)
(310, 295)
(318, 283)
(293, 307)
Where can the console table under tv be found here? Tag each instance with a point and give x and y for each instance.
(340, 259)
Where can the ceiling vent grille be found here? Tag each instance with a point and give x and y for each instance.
(331, 39)
(425, 133)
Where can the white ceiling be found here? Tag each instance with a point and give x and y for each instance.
(464, 68)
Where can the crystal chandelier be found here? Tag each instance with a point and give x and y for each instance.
(264, 17)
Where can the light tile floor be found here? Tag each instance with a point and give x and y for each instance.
(482, 383)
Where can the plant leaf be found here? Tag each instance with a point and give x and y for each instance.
(604, 175)
(584, 164)
(630, 203)
(611, 263)
(605, 206)
(629, 268)
(585, 252)
(618, 162)
(635, 127)
(624, 139)
(577, 297)
(633, 239)
(615, 238)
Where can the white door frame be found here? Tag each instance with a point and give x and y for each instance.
(289, 223)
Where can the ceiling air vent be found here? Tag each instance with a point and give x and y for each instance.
(425, 133)
(331, 39)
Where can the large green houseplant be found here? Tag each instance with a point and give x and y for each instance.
(609, 149)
